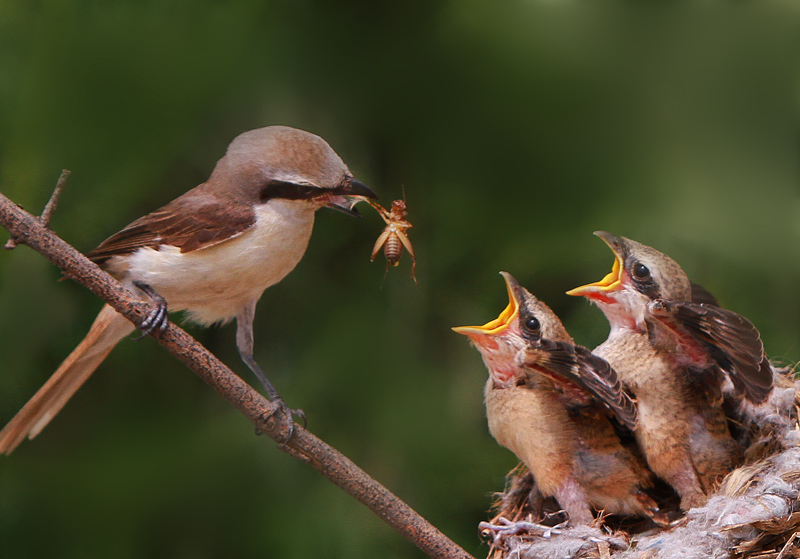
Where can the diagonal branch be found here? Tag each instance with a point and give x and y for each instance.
(340, 470)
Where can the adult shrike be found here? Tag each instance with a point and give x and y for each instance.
(211, 252)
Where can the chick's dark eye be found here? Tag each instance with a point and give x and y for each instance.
(640, 271)
(532, 324)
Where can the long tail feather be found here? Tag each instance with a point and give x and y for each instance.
(107, 330)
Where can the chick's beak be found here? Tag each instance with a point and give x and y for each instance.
(612, 281)
(499, 324)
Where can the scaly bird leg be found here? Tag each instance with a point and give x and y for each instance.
(244, 343)
(157, 318)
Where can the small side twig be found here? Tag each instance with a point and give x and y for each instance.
(332, 464)
(49, 208)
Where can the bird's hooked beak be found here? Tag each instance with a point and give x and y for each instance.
(612, 282)
(344, 198)
(502, 322)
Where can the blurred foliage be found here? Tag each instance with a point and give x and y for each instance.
(515, 129)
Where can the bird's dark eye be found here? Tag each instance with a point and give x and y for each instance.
(532, 324)
(640, 271)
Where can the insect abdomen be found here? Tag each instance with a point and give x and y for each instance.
(393, 249)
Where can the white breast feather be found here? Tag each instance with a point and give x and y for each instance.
(214, 283)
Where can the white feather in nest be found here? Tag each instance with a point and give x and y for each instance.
(755, 513)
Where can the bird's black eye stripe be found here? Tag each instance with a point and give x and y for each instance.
(287, 191)
(643, 279)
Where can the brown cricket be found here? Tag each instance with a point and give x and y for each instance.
(394, 236)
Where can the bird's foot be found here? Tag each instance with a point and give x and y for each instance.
(244, 342)
(651, 510)
(157, 318)
(505, 528)
(285, 415)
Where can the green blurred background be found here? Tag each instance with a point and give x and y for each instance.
(516, 129)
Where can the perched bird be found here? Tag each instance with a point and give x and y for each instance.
(549, 401)
(673, 348)
(210, 252)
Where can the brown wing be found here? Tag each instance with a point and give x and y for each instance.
(730, 341)
(702, 295)
(578, 365)
(188, 222)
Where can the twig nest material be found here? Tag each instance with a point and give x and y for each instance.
(754, 514)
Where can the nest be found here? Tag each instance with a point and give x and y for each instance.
(754, 514)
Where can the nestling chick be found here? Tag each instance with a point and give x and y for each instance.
(674, 353)
(549, 401)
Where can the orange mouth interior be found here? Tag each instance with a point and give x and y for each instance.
(611, 282)
(497, 325)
